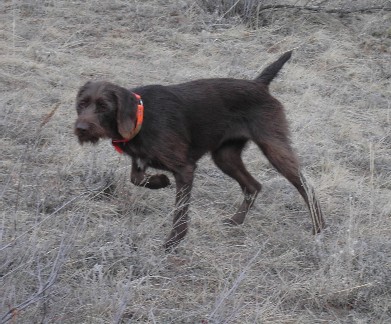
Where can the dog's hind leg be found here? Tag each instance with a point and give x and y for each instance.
(228, 158)
(282, 157)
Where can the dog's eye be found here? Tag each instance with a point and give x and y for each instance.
(101, 106)
(82, 104)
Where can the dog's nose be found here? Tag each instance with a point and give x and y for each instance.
(82, 126)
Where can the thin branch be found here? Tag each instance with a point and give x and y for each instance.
(43, 286)
(323, 9)
(237, 281)
(43, 220)
(40, 293)
(228, 11)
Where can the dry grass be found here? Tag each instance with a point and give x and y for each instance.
(80, 244)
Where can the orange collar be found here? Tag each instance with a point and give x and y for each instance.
(139, 121)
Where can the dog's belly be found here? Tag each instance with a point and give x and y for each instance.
(234, 134)
(156, 164)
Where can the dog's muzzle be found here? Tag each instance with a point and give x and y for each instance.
(85, 132)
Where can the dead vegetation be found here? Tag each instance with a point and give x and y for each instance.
(80, 244)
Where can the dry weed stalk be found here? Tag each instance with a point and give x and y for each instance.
(44, 285)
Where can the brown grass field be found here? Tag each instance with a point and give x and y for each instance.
(80, 244)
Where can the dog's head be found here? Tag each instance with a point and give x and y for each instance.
(104, 111)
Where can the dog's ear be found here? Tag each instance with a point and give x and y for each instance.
(83, 88)
(126, 112)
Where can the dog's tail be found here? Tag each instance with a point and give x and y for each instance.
(271, 71)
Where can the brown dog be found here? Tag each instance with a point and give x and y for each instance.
(182, 122)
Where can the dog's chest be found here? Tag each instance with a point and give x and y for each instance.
(145, 158)
(141, 164)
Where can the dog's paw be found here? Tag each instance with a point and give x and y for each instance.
(164, 180)
(231, 222)
(158, 181)
(170, 246)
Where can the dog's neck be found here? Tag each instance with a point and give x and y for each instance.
(139, 121)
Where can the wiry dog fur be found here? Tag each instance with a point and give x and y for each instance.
(185, 121)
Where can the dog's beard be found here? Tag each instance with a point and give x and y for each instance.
(92, 136)
(90, 139)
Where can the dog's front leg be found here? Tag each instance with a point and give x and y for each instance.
(142, 179)
(184, 183)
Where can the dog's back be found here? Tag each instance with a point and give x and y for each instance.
(210, 111)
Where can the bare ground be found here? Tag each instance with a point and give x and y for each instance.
(80, 244)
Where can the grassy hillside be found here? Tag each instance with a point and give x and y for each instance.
(80, 244)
